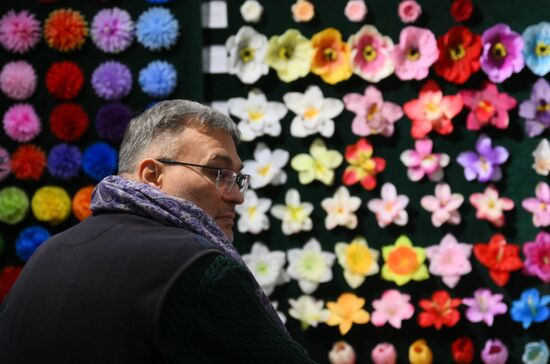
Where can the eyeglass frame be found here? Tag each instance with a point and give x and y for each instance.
(237, 177)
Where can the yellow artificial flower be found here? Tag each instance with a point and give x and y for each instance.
(348, 310)
(51, 204)
(420, 352)
(404, 262)
(290, 55)
(331, 57)
(358, 260)
(319, 165)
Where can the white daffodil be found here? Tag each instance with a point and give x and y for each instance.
(308, 311)
(295, 214)
(257, 115)
(280, 313)
(267, 166)
(358, 260)
(310, 265)
(266, 266)
(314, 112)
(252, 211)
(319, 164)
(247, 50)
(542, 158)
(340, 209)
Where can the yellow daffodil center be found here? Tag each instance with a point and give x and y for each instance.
(264, 170)
(358, 259)
(403, 260)
(542, 49)
(457, 53)
(499, 51)
(284, 53)
(252, 211)
(310, 113)
(255, 115)
(262, 268)
(330, 54)
(320, 168)
(413, 54)
(246, 54)
(296, 213)
(369, 53)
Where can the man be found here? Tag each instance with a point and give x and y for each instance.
(151, 276)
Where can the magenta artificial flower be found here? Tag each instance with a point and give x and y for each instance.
(539, 206)
(483, 164)
(449, 259)
(112, 30)
(18, 80)
(484, 306)
(19, 32)
(371, 54)
(409, 11)
(372, 114)
(416, 52)
(536, 110)
(393, 307)
(487, 107)
(537, 257)
(21, 123)
(502, 53)
(384, 353)
(494, 352)
(422, 162)
(443, 206)
(390, 208)
(490, 206)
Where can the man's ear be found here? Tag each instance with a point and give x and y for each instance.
(150, 172)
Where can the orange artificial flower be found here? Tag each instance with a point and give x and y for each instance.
(331, 58)
(346, 311)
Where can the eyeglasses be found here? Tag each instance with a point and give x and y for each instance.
(226, 179)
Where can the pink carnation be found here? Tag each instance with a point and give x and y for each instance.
(409, 11)
(18, 80)
(19, 32)
(356, 10)
(21, 123)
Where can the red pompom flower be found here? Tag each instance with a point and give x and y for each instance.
(68, 122)
(7, 278)
(440, 310)
(459, 52)
(64, 80)
(28, 162)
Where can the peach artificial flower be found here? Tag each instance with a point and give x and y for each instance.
(346, 311)
(302, 11)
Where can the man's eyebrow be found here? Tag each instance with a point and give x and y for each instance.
(225, 159)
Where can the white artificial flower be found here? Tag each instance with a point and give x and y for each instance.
(542, 158)
(267, 166)
(391, 207)
(251, 11)
(266, 266)
(340, 209)
(310, 265)
(308, 311)
(257, 115)
(295, 214)
(280, 313)
(314, 112)
(247, 50)
(252, 211)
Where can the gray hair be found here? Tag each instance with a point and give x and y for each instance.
(162, 122)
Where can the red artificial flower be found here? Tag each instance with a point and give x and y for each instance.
(64, 80)
(65, 30)
(440, 310)
(461, 10)
(28, 162)
(462, 350)
(7, 278)
(68, 122)
(459, 52)
(500, 257)
(363, 167)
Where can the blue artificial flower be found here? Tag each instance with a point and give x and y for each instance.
(537, 48)
(531, 307)
(29, 240)
(536, 352)
(99, 160)
(64, 162)
(158, 79)
(157, 28)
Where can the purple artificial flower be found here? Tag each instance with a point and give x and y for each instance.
(536, 110)
(537, 257)
(112, 30)
(502, 52)
(485, 164)
(112, 80)
(494, 352)
(111, 121)
(484, 306)
(64, 162)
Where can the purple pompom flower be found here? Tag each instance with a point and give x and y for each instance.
(64, 162)
(485, 164)
(502, 52)
(18, 80)
(112, 81)
(5, 166)
(536, 110)
(111, 121)
(21, 123)
(112, 30)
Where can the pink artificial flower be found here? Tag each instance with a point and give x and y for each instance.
(539, 206)
(391, 207)
(384, 353)
(432, 110)
(488, 107)
(372, 114)
(356, 10)
(416, 52)
(484, 306)
(421, 161)
(537, 257)
(443, 206)
(449, 259)
(409, 11)
(19, 31)
(371, 54)
(393, 307)
(22, 123)
(490, 207)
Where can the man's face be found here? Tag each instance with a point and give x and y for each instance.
(213, 148)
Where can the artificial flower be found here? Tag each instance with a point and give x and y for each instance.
(393, 307)
(64, 80)
(64, 162)
(432, 110)
(449, 259)
(341, 209)
(295, 214)
(318, 165)
(499, 257)
(99, 160)
(65, 30)
(373, 115)
(371, 54)
(5, 164)
(157, 28)
(536, 110)
(21, 123)
(18, 80)
(28, 240)
(461, 10)
(487, 107)
(494, 352)
(331, 56)
(51, 204)
(346, 311)
(356, 10)
(158, 79)
(310, 265)
(384, 353)
(290, 55)
(459, 52)
(443, 205)
(314, 112)
(537, 48)
(539, 206)
(257, 115)
(420, 352)
(536, 352)
(483, 164)
(266, 266)
(440, 311)
(302, 11)
(112, 30)
(8, 275)
(541, 156)
(363, 167)
(390, 208)
(409, 11)
(421, 161)
(266, 167)
(341, 353)
(251, 11)
(531, 307)
(14, 205)
(502, 53)
(81, 202)
(28, 162)
(484, 306)
(462, 350)
(357, 260)
(537, 257)
(252, 213)
(416, 52)
(19, 31)
(247, 50)
(111, 121)
(68, 122)
(112, 80)
(404, 262)
(489, 206)
(308, 311)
